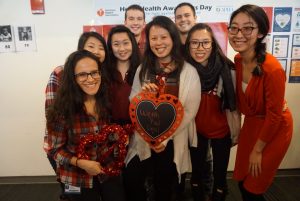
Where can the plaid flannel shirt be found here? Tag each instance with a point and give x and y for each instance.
(50, 92)
(53, 85)
(62, 145)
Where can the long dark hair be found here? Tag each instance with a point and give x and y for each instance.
(134, 59)
(150, 60)
(216, 49)
(83, 39)
(86, 35)
(262, 21)
(70, 97)
(218, 66)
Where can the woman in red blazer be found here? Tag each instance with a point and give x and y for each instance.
(268, 126)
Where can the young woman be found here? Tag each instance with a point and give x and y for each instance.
(80, 108)
(217, 96)
(92, 42)
(268, 123)
(124, 59)
(163, 64)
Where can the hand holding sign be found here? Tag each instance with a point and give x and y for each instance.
(156, 117)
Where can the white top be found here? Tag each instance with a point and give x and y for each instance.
(244, 86)
(189, 95)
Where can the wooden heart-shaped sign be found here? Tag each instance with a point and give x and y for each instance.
(155, 118)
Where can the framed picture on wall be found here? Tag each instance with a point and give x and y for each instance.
(280, 45)
(7, 43)
(25, 38)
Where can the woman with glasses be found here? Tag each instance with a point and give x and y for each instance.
(217, 119)
(268, 125)
(163, 65)
(81, 108)
(124, 57)
(92, 42)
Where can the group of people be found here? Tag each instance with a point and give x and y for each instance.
(95, 85)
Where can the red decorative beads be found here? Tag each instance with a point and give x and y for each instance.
(101, 138)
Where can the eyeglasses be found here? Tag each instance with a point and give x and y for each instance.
(244, 30)
(194, 44)
(83, 76)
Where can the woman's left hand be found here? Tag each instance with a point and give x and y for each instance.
(255, 163)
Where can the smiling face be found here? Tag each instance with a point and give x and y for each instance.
(95, 46)
(200, 46)
(121, 46)
(244, 43)
(161, 43)
(184, 19)
(135, 21)
(91, 85)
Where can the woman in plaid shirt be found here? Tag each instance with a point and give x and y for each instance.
(80, 108)
(92, 42)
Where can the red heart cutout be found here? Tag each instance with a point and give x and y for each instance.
(113, 140)
(155, 118)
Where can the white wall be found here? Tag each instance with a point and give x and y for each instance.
(24, 77)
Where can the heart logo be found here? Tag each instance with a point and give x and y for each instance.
(282, 20)
(155, 118)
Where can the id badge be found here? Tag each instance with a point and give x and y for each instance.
(72, 189)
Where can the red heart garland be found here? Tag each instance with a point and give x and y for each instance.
(121, 141)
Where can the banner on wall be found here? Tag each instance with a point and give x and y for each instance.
(112, 12)
(284, 22)
(109, 14)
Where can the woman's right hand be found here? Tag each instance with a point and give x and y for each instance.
(91, 167)
(150, 87)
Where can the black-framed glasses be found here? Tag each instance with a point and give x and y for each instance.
(83, 76)
(195, 44)
(244, 30)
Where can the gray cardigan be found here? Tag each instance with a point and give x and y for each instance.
(189, 95)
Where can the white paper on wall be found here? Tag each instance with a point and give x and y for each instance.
(25, 38)
(7, 43)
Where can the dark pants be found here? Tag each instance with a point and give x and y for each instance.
(220, 151)
(207, 178)
(247, 196)
(110, 190)
(160, 167)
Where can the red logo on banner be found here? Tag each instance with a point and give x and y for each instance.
(100, 12)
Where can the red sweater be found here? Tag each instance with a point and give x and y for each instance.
(120, 92)
(211, 121)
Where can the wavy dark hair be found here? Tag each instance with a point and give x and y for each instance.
(150, 61)
(70, 97)
(216, 49)
(262, 21)
(134, 59)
